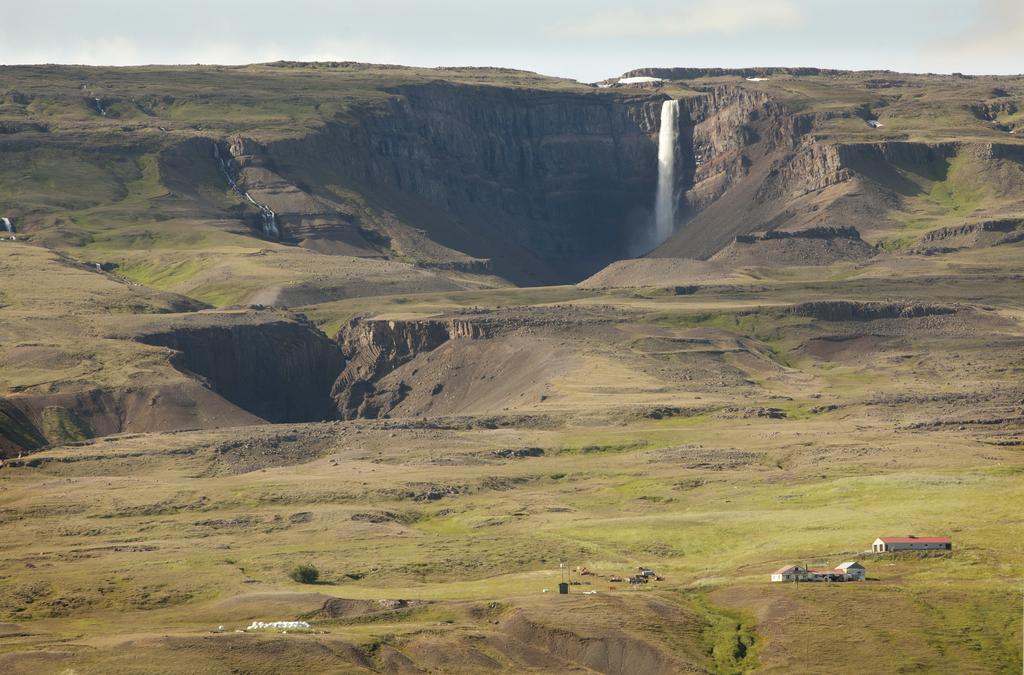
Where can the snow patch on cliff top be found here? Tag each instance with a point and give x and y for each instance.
(639, 80)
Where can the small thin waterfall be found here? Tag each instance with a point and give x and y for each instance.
(665, 202)
(8, 225)
(267, 215)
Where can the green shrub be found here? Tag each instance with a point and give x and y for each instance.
(305, 574)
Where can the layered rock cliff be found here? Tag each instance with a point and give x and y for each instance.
(546, 184)
(279, 370)
(535, 178)
(537, 186)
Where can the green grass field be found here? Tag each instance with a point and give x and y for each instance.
(114, 544)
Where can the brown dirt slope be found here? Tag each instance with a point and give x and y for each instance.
(655, 272)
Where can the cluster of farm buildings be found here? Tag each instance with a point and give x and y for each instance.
(854, 571)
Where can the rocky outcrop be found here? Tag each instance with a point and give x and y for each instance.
(986, 233)
(697, 73)
(279, 370)
(375, 348)
(812, 246)
(991, 110)
(718, 132)
(849, 310)
(895, 152)
(809, 233)
(9, 127)
(812, 166)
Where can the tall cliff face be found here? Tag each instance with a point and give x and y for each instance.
(548, 185)
(543, 186)
(771, 169)
(281, 371)
(452, 168)
(732, 139)
(721, 130)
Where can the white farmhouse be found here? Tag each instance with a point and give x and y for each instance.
(911, 543)
(791, 573)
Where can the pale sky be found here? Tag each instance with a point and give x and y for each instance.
(583, 39)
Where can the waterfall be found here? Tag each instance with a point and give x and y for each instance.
(267, 215)
(8, 225)
(665, 202)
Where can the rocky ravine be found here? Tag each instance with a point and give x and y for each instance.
(199, 370)
(375, 348)
(279, 370)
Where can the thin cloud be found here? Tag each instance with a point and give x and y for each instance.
(707, 16)
(991, 45)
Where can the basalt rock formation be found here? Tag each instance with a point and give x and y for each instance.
(533, 179)
(373, 349)
(810, 233)
(981, 234)
(547, 185)
(536, 186)
(232, 369)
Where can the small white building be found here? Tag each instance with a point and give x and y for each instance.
(911, 543)
(854, 571)
(791, 573)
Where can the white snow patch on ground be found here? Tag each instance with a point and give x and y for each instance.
(639, 80)
(279, 625)
(757, 79)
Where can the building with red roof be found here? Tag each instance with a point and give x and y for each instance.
(848, 571)
(791, 573)
(911, 543)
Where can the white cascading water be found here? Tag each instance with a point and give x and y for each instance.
(665, 202)
(267, 215)
(7, 224)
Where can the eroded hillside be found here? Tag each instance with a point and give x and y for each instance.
(258, 317)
